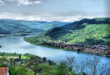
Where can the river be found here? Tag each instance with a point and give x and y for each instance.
(18, 45)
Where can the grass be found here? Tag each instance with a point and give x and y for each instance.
(24, 57)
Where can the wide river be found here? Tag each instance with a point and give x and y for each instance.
(18, 45)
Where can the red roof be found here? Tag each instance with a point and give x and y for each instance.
(3, 70)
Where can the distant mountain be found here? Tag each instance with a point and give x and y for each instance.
(32, 24)
(53, 24)
(38, 24)
(13, 27)
(88, 31)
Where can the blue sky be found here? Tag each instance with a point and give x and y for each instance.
(53, 10)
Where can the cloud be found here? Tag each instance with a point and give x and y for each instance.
(2, 2)
(10, 0)
(37, 2)
(19, 5)
(38, 16)
(24, 2)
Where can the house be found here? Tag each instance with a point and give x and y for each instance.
(4, 71)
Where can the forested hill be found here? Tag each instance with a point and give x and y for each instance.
(9, 27)
(36, 24)
(90, 31)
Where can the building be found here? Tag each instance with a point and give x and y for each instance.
(4, 71)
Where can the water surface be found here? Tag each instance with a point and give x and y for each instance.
(18, 45)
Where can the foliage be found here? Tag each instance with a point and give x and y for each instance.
(12, 27)
(21, 70)
(88, 31)
(67, 67)
(31, 55)
(47, 70)
(9, 54)
(61, 69)
(3, 60)
(25, 57)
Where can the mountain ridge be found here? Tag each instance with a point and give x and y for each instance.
(88, 31)
(11, 27)
(38, 24)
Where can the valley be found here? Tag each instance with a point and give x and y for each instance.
(87, 35)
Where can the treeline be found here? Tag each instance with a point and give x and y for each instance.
(87, 31)
(31, 56)
(17, 54)
(68, 67)
(9, 54)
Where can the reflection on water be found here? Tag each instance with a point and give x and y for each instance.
(18, 45)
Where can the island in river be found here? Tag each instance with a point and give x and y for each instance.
(87, 35)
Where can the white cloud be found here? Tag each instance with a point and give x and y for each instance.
(2, 2)
(33, 16)
(24, 2)
(10, 0)
(19, 5)
(37, 2)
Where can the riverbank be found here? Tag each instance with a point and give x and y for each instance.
(25, 61)
(17, 34)
(26, 56)
(75, 48)
(18, 45)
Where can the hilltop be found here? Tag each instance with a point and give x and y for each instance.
(83, 31)
(8, 27)
(86, 31)
(37, 24)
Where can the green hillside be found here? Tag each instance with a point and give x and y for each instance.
(36, 24)
(11, 27)
(87, 31)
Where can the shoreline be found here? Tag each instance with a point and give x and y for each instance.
(98, 54)
(17, 34)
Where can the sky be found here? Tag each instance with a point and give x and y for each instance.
(53, 10)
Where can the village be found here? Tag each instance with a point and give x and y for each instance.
(30, 63)
(103, 49)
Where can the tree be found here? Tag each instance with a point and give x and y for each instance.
(19, 56)
(12, 70)
(21, 70)
(96, 67)
(50, 62)
(61, 69)
(4, 61)
(47, 70)
(29, 64)
(35, 66)
(44, 59)
(93, 65)
(82, 68)
(70, 62)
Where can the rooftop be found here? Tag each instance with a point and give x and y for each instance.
(3, 70)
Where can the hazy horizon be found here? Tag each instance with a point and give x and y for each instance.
(53, 10)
